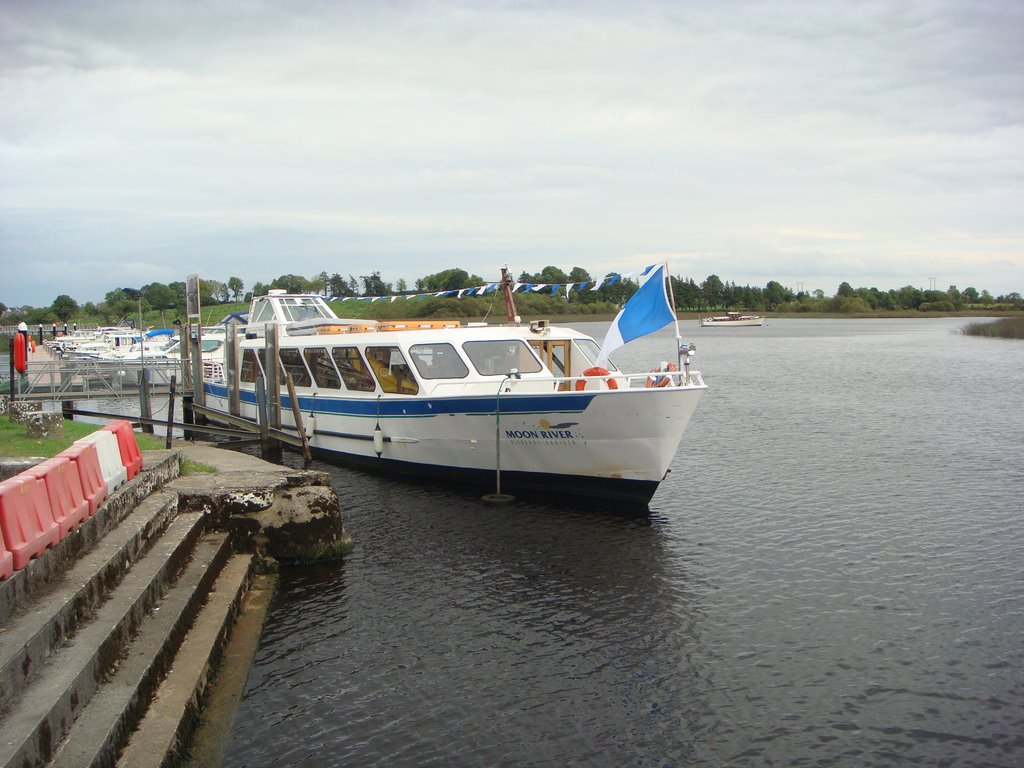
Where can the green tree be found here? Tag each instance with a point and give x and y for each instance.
(338, 285)
(553, 275)
(448, 280)
(237, 287)
(374, 285)
(159, 296)
(775, 293)
(711, 289)
(291, 284)
(64, 307)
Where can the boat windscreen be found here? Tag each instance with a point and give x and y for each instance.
(303, 309)
(591, 351)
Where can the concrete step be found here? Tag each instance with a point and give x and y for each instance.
(31, 636)
(105, 726)
(174, 712)
(60, 690)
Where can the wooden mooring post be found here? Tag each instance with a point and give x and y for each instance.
(144, 407)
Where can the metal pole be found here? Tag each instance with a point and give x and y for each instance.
(498, 497)
(679, 338)
(170, 409)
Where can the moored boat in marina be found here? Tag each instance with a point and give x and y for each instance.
(535, 405)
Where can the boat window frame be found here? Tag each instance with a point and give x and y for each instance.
(249, 356)
(585, 345)
(315, 366)
(425, 365)
(395, 378)
(350, 374)
(264, 313)
(488, 369)
(300, 308)
(545, 349)
(298, 365)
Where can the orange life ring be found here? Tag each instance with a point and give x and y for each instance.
(596, 371)
(20, 348)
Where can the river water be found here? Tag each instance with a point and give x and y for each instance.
(831, 575)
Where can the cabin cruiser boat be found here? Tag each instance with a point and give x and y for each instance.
(523, 405)
(731, 320)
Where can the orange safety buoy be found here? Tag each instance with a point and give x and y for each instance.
(19, 347)
(581, 384)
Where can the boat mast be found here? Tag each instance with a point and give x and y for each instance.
(510, 303)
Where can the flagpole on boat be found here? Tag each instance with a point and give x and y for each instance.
(679, 337)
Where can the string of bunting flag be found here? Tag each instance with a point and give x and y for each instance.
(554, 289)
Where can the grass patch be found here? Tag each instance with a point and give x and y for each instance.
(193, 467)
(1003, 328)
(14, 444)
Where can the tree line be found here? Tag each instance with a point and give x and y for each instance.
(711, 294)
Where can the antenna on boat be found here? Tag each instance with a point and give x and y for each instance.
(510, 303)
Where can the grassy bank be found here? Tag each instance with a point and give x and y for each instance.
(14, 444)
(1003, 328)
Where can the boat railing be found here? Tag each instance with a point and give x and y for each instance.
(691, 379)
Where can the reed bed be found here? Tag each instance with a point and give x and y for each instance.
(1003, 328)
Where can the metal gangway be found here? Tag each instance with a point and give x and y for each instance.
(97, 379)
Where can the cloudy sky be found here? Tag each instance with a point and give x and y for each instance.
(881, 143)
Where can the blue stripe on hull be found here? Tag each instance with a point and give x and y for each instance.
(565, 402)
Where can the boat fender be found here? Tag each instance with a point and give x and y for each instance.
(20, 344)
(378, 440)
(581, 384)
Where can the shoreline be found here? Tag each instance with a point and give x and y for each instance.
(908, 314)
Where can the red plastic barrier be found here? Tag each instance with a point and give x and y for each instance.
(131, 456)
(6, 561)
(87, 462)
(25, 518)
(68, 507)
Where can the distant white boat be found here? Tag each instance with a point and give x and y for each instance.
(731, 320)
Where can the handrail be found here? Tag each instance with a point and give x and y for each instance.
(627, 382)
(87, 379)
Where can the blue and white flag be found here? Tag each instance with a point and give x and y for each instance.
(648, 310)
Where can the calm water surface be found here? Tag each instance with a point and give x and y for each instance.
(831, 575)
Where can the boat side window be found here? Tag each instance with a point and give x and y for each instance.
(591, 352)
(497, 358)
(353, 369)
(438, 361)
(322, 368)
(291, 359)
(251, 369)
(392, 371)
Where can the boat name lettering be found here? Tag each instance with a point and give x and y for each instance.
(539, 434)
